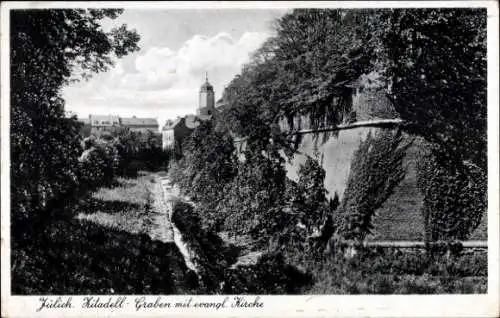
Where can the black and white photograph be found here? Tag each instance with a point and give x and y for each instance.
(258, 150)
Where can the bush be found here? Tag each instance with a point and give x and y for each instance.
(313, 205)
(211, 253)
(251, 196)
(271, 275)
(98, 166)
(253, 202)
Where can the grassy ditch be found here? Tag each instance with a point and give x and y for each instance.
(124, 206)
(304, 270)
(214, 257)
(82, 257)
(107, 249)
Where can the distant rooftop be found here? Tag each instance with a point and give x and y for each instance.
(135, 121)
(191, 121)
(112, 118)
(171, 124)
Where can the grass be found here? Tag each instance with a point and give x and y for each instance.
(81, 257)
(379, 272)
(107, 249)
(131, 190)
(124, 206)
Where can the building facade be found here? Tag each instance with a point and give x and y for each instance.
(112, 122)
(140, 124)
(104, 122)
(174, 132)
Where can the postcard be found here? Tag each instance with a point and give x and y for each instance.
(250, 159)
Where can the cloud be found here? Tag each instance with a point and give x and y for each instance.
(163, 82)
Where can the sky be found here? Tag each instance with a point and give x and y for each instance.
(178, 46)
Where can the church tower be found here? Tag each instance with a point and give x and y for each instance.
(206, 103)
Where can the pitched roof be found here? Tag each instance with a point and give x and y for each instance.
(192, 121)
(172, 125)
(204, 117)
(110, 118)
(135, 121)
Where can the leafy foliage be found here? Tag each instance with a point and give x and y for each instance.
(212, 255)
(210, 161)
(98, 166)
(254, 201)
(305, 70)
(48, 47)
(251, 196)
(120, 153)
(454, 196)
(271, 275)
(437, 66)
(207, 166)
(82, 258)
(313, 205)
(376, 169)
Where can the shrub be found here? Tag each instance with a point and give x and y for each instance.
(271, 275)
(211, 253)
(98, 165)
(313, 203)
(253, 202)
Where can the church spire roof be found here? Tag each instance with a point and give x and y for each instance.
(206, 86)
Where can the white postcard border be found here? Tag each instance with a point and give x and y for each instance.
(292, 306)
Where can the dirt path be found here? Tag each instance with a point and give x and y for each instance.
(160, 227)
(171, 194)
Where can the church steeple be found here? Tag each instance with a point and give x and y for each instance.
(206, 102)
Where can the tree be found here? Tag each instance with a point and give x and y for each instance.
(253, 202)
(314, 205)
(50, 48)
(209, 159)
(437, 66)
(207, 166)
